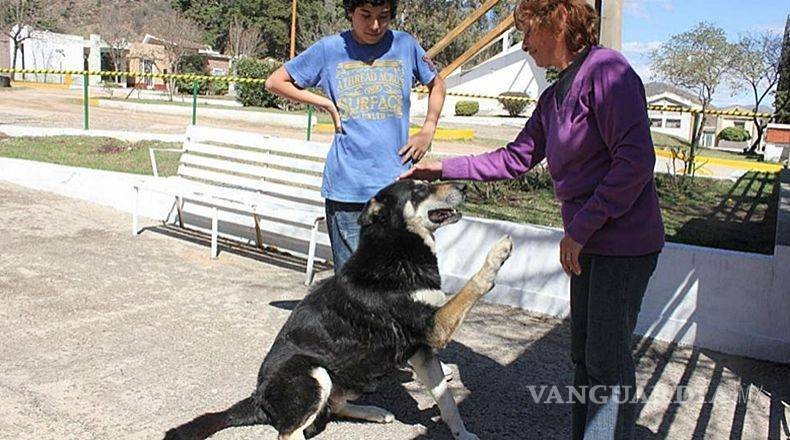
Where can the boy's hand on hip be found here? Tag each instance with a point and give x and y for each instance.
(329, 106)
(417, 147)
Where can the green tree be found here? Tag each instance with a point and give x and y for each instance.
(697, 60)
(782, 96)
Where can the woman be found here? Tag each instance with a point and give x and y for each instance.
(592, 127)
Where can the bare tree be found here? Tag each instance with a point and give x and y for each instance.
(15, 18)
(179, 36)
(756, 63)
(118, 28)
(245, 40)
(697, 60)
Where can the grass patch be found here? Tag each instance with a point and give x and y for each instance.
(714, 213)
(92, 152)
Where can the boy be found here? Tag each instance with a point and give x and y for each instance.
(366, 74)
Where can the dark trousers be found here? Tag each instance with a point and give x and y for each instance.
(605, 302)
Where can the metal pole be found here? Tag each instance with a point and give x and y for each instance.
(309, 121)
(194, 102)
(85, 77)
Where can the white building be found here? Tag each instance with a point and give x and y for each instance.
(677, 124)
(512, 70)
(50, 50)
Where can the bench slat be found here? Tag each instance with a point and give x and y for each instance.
(252, 170)
(239, 200)
(252, 184)
(198, 133)
(252, 156)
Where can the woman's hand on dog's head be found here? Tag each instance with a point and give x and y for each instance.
(429, 171)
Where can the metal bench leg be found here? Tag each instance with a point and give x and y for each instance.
(135, 228)
(311, 252)
(214, 230)
(258, 235)
(179, 207)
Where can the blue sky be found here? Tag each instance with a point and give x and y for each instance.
(648, 23)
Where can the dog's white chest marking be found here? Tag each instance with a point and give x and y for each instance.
(431, 297)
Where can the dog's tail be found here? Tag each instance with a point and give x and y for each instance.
(243, 413)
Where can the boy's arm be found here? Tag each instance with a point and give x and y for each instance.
(419, 143)
(280, 83)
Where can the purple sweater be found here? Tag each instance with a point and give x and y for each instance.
(600, 156)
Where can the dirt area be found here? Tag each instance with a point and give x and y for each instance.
(63, 108)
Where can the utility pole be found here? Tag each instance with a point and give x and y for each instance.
(610, 27)
(293, 28)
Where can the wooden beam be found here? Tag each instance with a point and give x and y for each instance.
(477, 47)
(462, 26)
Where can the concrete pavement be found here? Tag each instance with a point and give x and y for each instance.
(106, 335)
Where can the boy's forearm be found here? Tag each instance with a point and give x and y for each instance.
(436, 93)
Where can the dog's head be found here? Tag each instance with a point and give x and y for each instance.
(414, 204)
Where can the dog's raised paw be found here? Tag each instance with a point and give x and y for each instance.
(500, 252)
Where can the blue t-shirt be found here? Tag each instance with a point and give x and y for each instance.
(370, 86)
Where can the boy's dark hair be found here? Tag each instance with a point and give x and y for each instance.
(351, 5)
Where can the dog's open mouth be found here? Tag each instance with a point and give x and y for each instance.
(444, 216)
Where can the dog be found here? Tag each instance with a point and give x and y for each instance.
(383, 309)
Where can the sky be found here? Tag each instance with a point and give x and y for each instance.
(648, 23)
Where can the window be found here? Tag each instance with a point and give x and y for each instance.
(655, 122)
(673, 123)
(740, 124)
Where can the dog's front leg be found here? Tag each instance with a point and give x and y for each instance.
(429, 372)
(449, 317)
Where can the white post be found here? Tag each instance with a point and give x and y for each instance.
(311, 252)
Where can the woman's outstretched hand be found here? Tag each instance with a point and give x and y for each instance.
(423, 171)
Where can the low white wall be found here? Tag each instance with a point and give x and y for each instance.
(733, 302)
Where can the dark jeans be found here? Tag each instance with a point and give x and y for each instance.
(605, 302)
(341, 223)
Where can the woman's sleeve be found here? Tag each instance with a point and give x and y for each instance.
(511, 161)
(620, 110)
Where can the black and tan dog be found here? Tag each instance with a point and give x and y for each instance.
(385, 308)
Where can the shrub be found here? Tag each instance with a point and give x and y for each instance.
(218, 88)
(466, 108)
(192, 64)
(255, 94)
(514, 107)
(735, 134)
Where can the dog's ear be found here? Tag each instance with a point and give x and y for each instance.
(371, 213)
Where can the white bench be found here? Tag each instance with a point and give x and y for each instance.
(276, 180)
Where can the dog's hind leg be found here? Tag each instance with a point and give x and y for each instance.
(342, 408)
(299, 402)
(449, 317)
(429, 372)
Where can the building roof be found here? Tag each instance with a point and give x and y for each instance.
(657, 88)
(749, 108)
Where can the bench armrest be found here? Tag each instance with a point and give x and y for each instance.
(152, 155)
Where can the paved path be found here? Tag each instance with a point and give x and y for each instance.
(105, 335)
